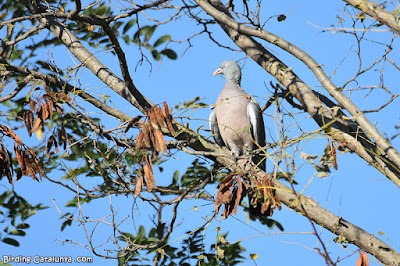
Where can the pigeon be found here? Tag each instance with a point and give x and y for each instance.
(236, 120)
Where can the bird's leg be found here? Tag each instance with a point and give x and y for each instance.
(247, 153)
(243, 160)
(236, 154)
(248, 157)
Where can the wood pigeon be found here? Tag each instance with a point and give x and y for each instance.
(236, 121)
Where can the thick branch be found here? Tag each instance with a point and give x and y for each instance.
(57, 81)
(130, 93)
(337, 225)
(335, 92)
(376, 12)
(339, 128)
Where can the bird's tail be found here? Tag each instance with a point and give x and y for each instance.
(254, 205)
(260, 161)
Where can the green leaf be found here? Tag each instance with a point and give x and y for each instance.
(152, 239)
(141, 234)
(180, 131)
(11, 242)
(152, 233)
(72, 203)
(127, 235)
(162, 40)
(74, 172)
(65, 224)
(203, 142)
(16, 54)
(170, 54)
(7, 104)
(23, 226)
(117, 25)
(272, 223)
(149, 32)
(17, 232)
(127, 39)
(175, 178)
(5, 195)
(129, 25)
(201, 257)
(104, 97)
(122, 258)
(156, 55)
(361, 16)
(281, 18)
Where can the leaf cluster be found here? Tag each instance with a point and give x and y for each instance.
(191, 252)
(15, 210)
(151, 137)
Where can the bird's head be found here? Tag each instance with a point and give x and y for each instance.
(231, 70)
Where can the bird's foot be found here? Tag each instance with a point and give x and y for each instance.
(235, 153)
(245, 164)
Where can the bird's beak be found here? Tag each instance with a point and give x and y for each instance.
(218, 71)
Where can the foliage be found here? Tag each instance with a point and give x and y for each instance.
(15, 210)
(58, 126)
(191, 252)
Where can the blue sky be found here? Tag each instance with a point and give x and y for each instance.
(356, 191)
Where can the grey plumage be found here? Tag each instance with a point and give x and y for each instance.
(236, 121)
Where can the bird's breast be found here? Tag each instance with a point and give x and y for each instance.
(231, 113)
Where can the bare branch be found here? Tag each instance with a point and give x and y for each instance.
(77, 9)
(20, 86)
(336, 93)
(25, 35)
(69, 88)
(332, 120)
(393, 63)
(377, 12)
(139, 9)
(131, 94)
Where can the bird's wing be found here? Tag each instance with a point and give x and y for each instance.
(215, 130)
(257, 129)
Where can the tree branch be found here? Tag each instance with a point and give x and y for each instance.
(340, 128)
(131, 94)
(301, 91)
(376, 12)
(57, 81)
(25, 35)
(312, 104)
(20, 86)
(337, 225)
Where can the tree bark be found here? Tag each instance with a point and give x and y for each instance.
(377, 12)
(299, 203)
(356, 135)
